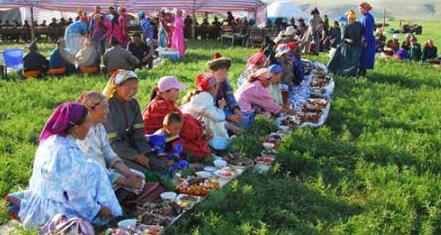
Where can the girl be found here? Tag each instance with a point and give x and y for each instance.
(254, 63)
(96, 146)
(63, 181)
(178, 41)
(124, 124)
(254, 95)
(347, 57)
(162, 102)
(200, 104)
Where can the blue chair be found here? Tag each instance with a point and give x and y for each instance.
(12, 58)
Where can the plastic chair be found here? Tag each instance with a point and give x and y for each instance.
(13, 58)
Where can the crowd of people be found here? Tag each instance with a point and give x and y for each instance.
(104, 142)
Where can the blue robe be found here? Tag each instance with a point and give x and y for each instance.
(64, 182)
(368, 54)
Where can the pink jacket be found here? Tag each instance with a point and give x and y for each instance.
(250, 94)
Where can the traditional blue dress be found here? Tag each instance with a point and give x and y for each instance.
(63, 181)
(368, 54)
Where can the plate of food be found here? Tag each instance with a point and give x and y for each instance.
(204, 174)
(151, 218)
(318, 102)
(187, 201)
(164, 209)
(238, 162)
(225, 174)
(266, 160)
(197, 189)
(310, 117)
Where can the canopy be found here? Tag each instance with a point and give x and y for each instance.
(137, 5)
(285, 10)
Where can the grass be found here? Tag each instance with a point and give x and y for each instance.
(373, 168)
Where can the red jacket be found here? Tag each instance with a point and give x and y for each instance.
(192, 134)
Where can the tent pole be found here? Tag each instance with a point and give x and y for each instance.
(193, 25)
(32, 24)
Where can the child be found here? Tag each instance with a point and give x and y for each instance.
(200, 104)
(166, 141)
(274, 87)
(163, 101)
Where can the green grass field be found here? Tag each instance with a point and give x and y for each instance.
(374, 168)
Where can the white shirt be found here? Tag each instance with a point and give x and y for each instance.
(96, 146)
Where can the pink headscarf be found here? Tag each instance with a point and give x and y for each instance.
(69, 113)
(256, 59)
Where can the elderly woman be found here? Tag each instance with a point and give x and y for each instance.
(347, 57)
(368, 53)
(96, 146)
(253, 96)
(124, 124)
(63, 181)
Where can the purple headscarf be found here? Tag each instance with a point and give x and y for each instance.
(65, 114)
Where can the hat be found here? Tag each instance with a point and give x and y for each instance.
(366, 6)
(263, 74)
(169, 82)
(282, 50)
(289, 31)
(219, 62)
(205, 81)
(118, 77)
(256, 59)
(396, 36)
(275, 68)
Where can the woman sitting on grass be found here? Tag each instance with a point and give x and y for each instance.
(392, 46)
(254, 63)
(414, 50)
(429, 51)
(254, 98)
(96, 146)
(200, 104)
(162, 102)
(124, 124)
(63, 181)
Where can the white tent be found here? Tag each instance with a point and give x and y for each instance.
(284, 9)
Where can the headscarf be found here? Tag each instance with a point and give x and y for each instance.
(262, 74)
(256, 59)
(64, 116)
(117, 78)
(366, 6)
(205, 81)
(351, 14)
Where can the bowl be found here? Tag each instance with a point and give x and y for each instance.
(226, 174)
(168, 196)
(283, 128)
(203, 174)
(268, 146)
(127, 223)
(210, 168)
(219, 163)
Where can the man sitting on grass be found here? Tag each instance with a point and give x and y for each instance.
(118, 58)
(34, 64)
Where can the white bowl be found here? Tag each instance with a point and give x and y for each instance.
(168, 196)
(268, 146)
(127, 223)
(219, 163)
(210, 168)
(204, 174)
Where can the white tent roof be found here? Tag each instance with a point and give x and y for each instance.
(285, 10)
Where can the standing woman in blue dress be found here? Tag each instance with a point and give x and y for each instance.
(368, 22)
